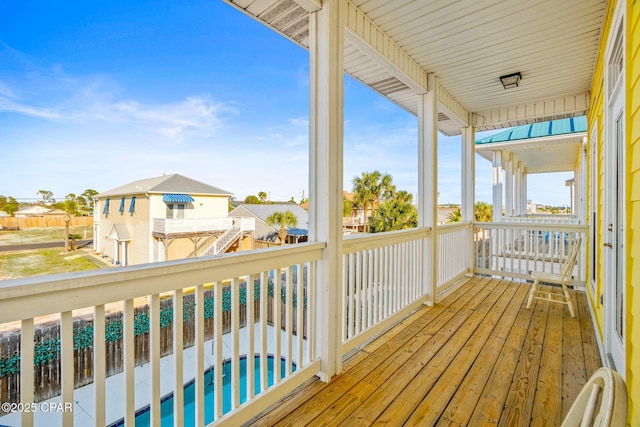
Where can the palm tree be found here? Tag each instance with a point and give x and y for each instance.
(283, 219)
(483, 212)
(394, 213)
(370, 188)
(454, 216)
(262, 196)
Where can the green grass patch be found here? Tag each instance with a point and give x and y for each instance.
(46, 261)
(38, 235)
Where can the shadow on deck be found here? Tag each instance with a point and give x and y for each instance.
(479, 357)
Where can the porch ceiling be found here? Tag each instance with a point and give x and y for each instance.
(539, 155)
(468, 44)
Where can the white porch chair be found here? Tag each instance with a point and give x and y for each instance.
(564, 279)
(602, 402)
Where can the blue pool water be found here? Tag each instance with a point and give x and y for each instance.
(166, 408)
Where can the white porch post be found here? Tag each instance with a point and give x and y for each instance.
(497, 186)
(582, 182)
(517, 199)
(326, 70)
(468, 173)
(428, 183)
(123, 251)
(508, 189)
(525, 198)
(469, 185)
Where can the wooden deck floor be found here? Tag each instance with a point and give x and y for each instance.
(477, 358)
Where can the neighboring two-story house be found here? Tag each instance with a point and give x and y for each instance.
(165, 218)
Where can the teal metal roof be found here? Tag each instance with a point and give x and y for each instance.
(539, 130)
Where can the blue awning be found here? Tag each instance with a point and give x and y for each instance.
(106, 207)
(177, 198)
(132, 207)
(121, 210)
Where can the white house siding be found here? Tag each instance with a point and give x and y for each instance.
(201, 207)
(263, 231)
(140, 229)
(137, 224)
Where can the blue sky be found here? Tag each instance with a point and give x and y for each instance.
(95, 95)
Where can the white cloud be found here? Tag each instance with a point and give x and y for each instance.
(197, 116)
(301, 122)
(50, 93)
(9, 106)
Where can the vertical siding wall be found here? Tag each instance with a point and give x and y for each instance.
(633, 158)
(596, 116)
(140, 232)
(137, 223)
(632, 137)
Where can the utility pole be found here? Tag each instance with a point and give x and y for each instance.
(67, 219)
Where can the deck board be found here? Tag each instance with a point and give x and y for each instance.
(478, 357)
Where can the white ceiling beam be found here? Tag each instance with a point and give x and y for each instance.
(452, 108)
(309, 5)
(567, 106)
(362, 33)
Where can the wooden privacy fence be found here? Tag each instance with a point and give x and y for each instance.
(47, 375)
(44, 221)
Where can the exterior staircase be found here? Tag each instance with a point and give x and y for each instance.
(225, 241)
(218, 245)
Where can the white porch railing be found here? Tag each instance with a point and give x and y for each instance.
(382, 281)
(515, 250)
(284, 273)
(542, 219)
(191, 225)
(454, 256)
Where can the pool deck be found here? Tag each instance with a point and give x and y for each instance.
(84, 406)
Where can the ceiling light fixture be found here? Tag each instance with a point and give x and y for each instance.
(511, 80)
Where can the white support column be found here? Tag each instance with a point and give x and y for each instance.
(124, 254)
(525, 198)
(468, 187)
(517, 198)
(428, 184)
(582, 182)
(326, 70)
(497, 186)
(468, 173)
(508, 188)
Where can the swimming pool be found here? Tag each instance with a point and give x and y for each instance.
(143, 416)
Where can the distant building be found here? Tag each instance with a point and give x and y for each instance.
(444, 212)
(269, 233)
(165, 218)
(31, 211)
(354, 223)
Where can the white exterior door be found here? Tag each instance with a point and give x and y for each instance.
(614, 233)
(614, 286)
